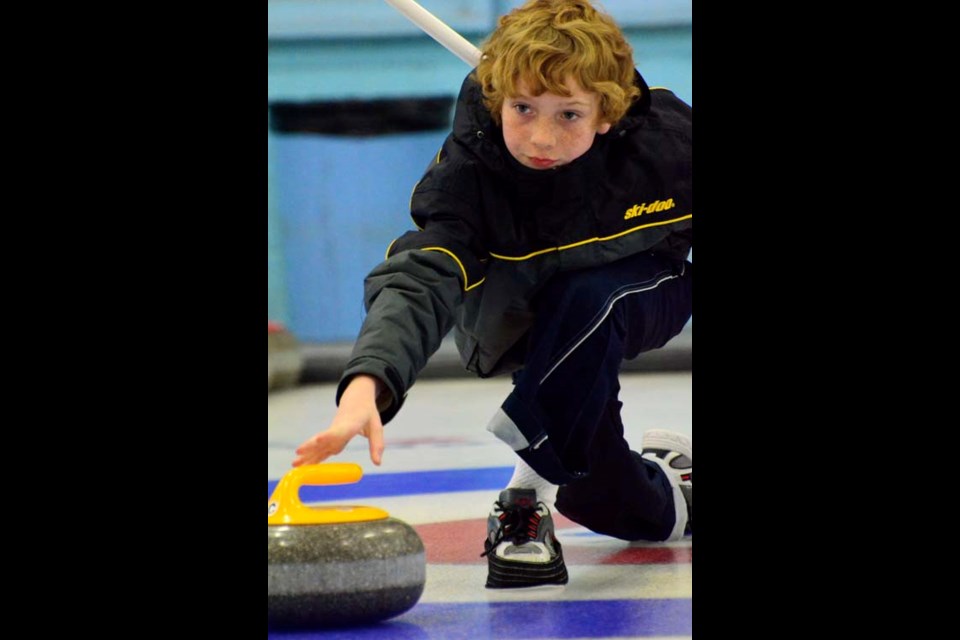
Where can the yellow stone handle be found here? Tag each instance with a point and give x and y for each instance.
(285, 507)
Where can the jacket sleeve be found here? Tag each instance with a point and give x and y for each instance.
(413, 295)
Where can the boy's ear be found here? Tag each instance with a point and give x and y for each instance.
(603, 128)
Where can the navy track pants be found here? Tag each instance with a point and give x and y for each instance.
(563, 415)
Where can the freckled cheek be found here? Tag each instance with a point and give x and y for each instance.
(578, 144)
(512, 140)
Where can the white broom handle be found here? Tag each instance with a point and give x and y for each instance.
(433, 27)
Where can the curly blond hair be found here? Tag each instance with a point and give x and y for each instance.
(545, 41)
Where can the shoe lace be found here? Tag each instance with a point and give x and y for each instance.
(517, 524)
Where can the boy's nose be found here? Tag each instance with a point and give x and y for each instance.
(542, 136)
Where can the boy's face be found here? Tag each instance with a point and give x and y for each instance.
(548, 131)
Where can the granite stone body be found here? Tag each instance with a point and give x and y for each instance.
(323, 575)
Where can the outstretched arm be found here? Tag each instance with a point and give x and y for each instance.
(357, 414)
(411, 300)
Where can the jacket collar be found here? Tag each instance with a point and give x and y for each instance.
(638, 110)
(473, 126)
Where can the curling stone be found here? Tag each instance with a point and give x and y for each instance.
(337, 565)
(284, 357)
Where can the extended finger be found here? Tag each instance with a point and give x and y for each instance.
(315, 450)
(376, 442)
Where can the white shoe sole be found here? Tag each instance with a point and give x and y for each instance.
(668, 440)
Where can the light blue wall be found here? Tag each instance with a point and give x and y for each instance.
(335, 202)
(344, 200)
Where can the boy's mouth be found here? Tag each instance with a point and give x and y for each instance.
(542, 163)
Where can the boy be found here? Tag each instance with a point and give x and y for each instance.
(554, 227)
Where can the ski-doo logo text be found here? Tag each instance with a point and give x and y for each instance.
(653, 207)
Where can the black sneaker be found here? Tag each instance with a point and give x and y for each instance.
(521, 548)
(674, 453)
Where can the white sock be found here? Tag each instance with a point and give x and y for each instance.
(524, 477)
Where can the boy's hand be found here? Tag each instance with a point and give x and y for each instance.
(356, 415)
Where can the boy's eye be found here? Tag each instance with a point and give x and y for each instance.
(570, 115)
(521, 108)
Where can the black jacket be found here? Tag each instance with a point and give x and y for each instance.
(490, 232)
